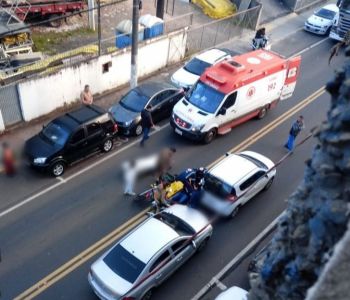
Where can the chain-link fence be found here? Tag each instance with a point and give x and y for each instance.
(217, 32)
(301, 4)
(297, 5)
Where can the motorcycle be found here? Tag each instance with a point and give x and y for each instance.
(261, 44)
(172, 186)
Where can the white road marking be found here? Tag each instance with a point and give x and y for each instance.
(64, 180)
(61, 179)
(220, 285)
(237, 258)
(31, 198)
(311, 46)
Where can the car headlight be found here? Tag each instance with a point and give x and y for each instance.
(40, 160)
(128, 123)
(197, 127)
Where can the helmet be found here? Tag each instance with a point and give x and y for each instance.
(200, 172)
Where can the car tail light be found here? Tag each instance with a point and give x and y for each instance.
(115, 128)
(232, 198)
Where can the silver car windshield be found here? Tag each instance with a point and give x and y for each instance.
(124, 264)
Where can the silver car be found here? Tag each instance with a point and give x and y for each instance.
(149, 254)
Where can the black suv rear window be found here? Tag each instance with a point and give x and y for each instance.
(124, 264)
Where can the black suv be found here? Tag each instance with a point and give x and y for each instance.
(71, 137)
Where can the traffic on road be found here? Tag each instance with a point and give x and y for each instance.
(222, 184)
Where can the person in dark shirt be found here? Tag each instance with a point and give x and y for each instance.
(260, 38)
(146, 123)
(296, 128)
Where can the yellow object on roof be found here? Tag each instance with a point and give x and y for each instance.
(216, 9)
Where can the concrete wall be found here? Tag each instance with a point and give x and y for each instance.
(40, 96)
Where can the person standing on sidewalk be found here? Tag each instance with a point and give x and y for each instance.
(86, 97)
(146, 123)
(8, 159)
(296, 128)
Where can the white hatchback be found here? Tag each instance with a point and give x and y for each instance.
(235, 180)
(322, 19)
(193, 69)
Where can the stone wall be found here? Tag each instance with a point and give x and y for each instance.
(318, 212)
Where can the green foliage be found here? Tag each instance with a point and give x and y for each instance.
(47, 41)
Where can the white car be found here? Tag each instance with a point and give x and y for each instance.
(193, 69)
(233, 293)
(322, 19)
(235, 180)
(149, 254)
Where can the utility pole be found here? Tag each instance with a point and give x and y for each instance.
(99, 26)
(91, 14)
(134, 42)
(160, 9)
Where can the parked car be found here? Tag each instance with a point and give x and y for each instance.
(188, 75)
(235, 180)
(127, 112)
(71, 137)
(233, 293)
(322, 19)
(149, 254)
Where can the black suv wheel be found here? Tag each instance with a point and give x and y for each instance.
(138, 129)
(57, 169)
(107, 145)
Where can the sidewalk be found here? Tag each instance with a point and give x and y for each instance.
(278, 29)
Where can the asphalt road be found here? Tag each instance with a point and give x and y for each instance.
(42, 235)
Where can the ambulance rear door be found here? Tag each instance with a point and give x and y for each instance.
(291, 78)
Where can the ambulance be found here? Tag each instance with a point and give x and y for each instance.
(234, 91)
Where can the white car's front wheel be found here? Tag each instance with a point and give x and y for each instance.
(268, 184)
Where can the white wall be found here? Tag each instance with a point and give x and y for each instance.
(43, 95)
(2, 124)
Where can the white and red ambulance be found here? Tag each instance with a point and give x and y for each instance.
(234, 91)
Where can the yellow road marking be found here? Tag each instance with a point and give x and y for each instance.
(84, 256)
(81, 258)
(268, 128)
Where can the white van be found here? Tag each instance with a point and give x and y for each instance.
(233, 92)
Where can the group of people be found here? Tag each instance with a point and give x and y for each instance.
(191, 183)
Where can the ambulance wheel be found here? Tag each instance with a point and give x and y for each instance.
(262, 113)
(209, 136)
